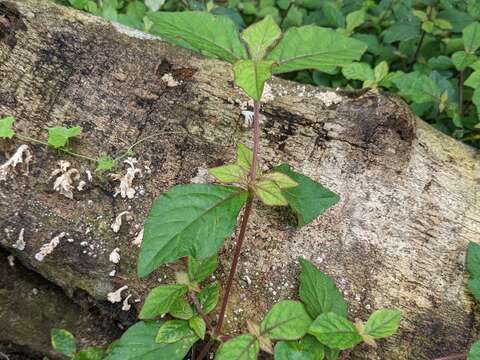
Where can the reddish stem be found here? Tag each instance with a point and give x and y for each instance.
(241, 234)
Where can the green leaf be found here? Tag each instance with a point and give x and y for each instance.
(417, 87)
(283, 181)
(59, 136)
(181, 309)
(172, 331)
(335, 331)
(63, 342)
(307, 348)
(231, 173)
(471, 37)
(332, 354)
(160, 300)
(6, 131)
(270, 193)
(244, 157)
(319, 293)
(401, 32)
(383, 323)
(243, 347)
(209, 34)
(251, 76)
(138, 342)
(473, 80)
(189, 220)
(462, 60)
(355, 19)
(105, 163)
(476, 99)
(89, 353)
(208, 297)
(474, 353)
(358, 71)
(473, 259)
(199, 270)
(309, 199)
(313, 47)
(260, 36)
(474, 287)
(197, 324)
(287, 320)
(381, 71)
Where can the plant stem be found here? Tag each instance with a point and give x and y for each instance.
(233, 268)
(460, 93)
(241, 234)
(417, 50)
(256, 140)
(453, 357)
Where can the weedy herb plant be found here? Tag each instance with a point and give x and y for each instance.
(192, 221)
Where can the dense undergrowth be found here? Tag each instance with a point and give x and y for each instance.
(425, 51)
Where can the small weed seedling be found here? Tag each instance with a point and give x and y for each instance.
(192, 221)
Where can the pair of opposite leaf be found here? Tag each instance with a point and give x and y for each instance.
(268, 187)
(267, 52)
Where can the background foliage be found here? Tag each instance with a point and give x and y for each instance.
(426, 51)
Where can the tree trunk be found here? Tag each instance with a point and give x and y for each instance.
(409, 194)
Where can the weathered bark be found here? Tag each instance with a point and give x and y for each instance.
(408, 208)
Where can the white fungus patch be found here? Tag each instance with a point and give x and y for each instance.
(329, 98)
(89, 175)
(247, 118)
(171, 82)
(81, 185)
(125, 189)
(11, 260)
(115, 256)
(118, 221)
(116, 296)
(138, 239)
(48, 248)
(112, 273)
(65, 178)
(202, 176)
(126, 306)
(20, 243)
(22, 155)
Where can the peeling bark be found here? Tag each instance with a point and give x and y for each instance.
(409, 194)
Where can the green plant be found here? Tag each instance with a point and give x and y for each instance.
(64, 343)
(193, 220)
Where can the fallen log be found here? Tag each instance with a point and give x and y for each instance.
(397, 238)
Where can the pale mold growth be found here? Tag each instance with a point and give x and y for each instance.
(171, 82)
(118, 221)
(112, 273)
(247, 118)
(11, 260)
(202, 176)
(116, 296)
(20, 243)
(89, 175)
(126, 306)
(138, 239)
(115, 256)
(81, 185)
(65, 178)
(125, 189)
(48, 248)
(22, 155)
(329, 98)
